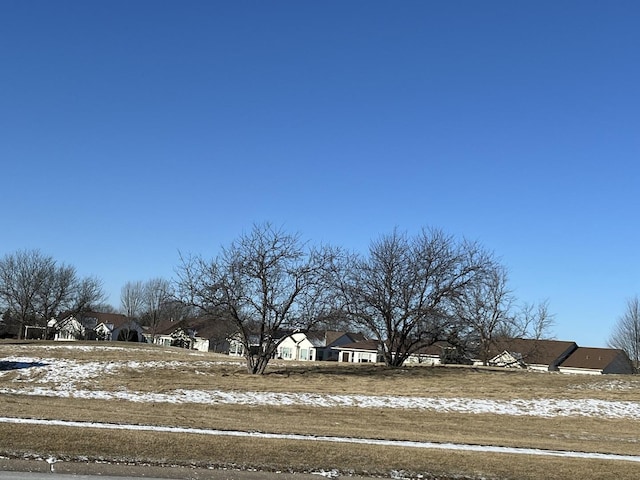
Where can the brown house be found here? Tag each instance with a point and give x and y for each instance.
(541, 355)
(597, 361)
(204, 333)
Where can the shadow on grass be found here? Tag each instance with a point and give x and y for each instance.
(6, 365)
(382, 371)
(359, 370)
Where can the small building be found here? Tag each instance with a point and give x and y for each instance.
(366, 351)
(67, 329)
(597, 361)
(116, 327)
(314, 345)
(237, 347)
(205, 333)
(95, 326)
(185, 334)
(533, 354)
(431, 355)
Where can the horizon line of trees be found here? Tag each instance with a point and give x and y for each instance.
(35, 288)
(407, 292)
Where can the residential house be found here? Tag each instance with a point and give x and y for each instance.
(597, 361)
(114, 327)
(200, 333)
(539, 355)
(314, 345)
(237, 347)
(94, 326)
(365, 351)
(431, 355)
(68, 329)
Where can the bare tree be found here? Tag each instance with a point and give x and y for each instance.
(485, 309)
(132, 299)
(156, 295)
(531, 320)
(626, 333)
(34, 288)
(56, 289)
(21, 279)
(404, 292)
(89, 295)
(262, 282)
(174, 309)
(102, 307)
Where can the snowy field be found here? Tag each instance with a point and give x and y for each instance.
(49, 376)
(55, 377)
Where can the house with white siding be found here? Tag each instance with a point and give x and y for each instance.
(67, 329)
(532, 354)
(314, 345)
(366, 351)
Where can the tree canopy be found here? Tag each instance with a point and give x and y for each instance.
(266, 282)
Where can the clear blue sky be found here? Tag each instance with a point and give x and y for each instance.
(132, 130)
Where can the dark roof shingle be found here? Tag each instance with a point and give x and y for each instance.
(592, 358)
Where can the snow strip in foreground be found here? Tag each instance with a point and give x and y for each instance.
(364, 441)
(542, 407)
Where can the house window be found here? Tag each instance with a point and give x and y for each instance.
(286, 352)
(304, 354)
(236, 349)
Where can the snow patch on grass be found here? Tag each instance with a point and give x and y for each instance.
(52, 377)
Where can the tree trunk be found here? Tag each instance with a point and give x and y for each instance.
(256, 365)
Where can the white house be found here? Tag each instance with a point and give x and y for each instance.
(366, 351)
(178, 334)
(431, 355)
(67, 329)
(95, 326)
(314, 345)
(237, 348)
(508, 359)
(115, 327)
(297, 346)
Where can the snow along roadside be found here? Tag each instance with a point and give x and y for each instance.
(364, 441)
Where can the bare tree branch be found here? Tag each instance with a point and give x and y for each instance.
(264, 282)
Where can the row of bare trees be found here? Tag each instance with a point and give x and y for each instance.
(35, 288)
(153, 302)
(407, 292)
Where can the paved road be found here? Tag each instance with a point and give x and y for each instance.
(175, 475)
(220, 476)
(17, 469)
(49, 476)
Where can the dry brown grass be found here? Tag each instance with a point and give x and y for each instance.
(208, 371)
(281, 455)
